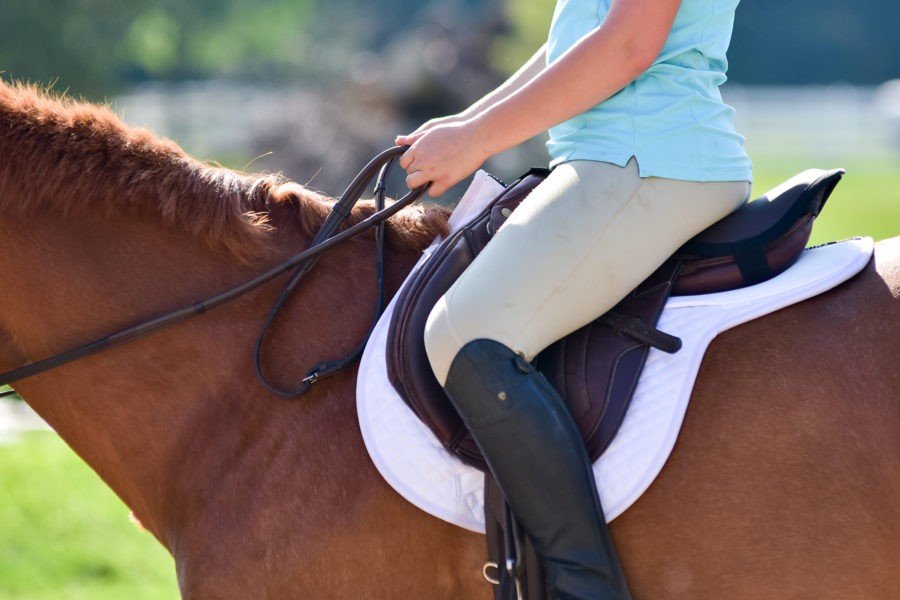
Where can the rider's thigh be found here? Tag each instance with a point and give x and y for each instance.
(584, 238)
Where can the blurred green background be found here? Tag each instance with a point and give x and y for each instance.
(314, 88)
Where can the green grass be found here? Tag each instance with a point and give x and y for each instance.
(65, 535)
(866, 202)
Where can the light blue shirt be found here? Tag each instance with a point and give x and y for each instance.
(672, 118)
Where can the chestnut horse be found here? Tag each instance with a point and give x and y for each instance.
(785, 482)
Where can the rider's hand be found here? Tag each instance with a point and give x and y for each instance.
(443, 154)
(432, 123)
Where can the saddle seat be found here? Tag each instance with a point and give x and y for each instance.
(596, 368)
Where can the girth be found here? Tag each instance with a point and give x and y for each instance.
(596, 368)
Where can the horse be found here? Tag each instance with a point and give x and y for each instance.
(784, 482)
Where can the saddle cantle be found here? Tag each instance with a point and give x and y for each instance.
(596, 368)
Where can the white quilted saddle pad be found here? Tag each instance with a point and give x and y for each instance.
(415, 464)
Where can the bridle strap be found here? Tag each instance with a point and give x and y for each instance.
(331, 223)
(298, 262)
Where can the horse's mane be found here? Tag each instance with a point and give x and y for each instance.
(75, 157)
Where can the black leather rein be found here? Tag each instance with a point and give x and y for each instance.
(300, 264)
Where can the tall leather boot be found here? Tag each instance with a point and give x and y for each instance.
(538, 458)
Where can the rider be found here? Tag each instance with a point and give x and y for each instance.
(644, 156)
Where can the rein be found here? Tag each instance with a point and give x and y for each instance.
(300, 264)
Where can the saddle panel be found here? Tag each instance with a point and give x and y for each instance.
(596, 368)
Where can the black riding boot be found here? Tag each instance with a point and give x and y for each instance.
(536, 454)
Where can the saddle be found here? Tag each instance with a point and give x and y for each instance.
(595, 369)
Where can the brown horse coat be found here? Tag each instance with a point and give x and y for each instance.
(785, 481)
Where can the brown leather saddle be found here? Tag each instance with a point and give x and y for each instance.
(596, 368)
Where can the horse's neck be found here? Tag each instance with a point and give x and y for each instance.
(167, 419)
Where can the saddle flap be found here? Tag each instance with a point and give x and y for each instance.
(596, 368)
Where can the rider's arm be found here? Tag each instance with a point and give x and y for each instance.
(600, 64)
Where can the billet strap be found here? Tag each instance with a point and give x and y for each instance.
(494, 527)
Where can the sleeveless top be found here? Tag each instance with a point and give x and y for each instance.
(672, 118)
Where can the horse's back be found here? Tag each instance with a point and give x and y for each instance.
(887, 259)
(785, 480)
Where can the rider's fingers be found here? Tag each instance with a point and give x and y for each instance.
(407, 159)
(416, 179)
(438, 187)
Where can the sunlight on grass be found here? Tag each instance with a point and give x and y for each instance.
(64, 534)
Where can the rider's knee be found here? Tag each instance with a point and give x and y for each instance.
(442, 343)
